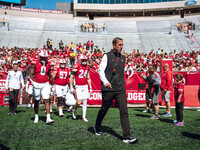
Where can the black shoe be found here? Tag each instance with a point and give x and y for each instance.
(129, 139)
(97, 130)
(9, 113)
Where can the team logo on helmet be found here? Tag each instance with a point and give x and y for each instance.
(62, 63)
(43, 55)
(83, 60)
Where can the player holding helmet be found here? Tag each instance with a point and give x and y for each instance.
(81, 75)
(61, 80)
(40, 74)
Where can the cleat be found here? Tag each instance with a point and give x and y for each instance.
(51, 110)
(36, 120)
(49, 121)
(129, 139)
(85, 119)
(97, 130)
(61, 115)
(74, 114)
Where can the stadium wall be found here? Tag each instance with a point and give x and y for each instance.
(143, 8)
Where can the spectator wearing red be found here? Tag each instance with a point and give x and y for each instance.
(179, 99)
(92, 45)
(88, 45)
(166, 88)
(134, 52)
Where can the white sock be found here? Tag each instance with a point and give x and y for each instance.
(36, 115)
(60, 111)
(84, 108)
(48, 117)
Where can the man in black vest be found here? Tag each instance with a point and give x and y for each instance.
(111, 72)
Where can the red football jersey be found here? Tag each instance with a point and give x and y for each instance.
(62, 76)
(81, 74)
(178, 89)
(41, 72)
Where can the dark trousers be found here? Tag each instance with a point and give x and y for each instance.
(179, 111)
(13, 96)
(121, 99)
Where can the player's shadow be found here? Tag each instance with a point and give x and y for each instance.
(19, 111)
(191, 135)
(78, 117)
(166, 120)
(192, 109)
(141, 115)
(56, 113)
(108, 130)
(43, 118)
(140, 110)
(3, 147)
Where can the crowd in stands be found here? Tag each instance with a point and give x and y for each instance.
(91, 27)
(187, 26)
(184, 26)
(184, 61)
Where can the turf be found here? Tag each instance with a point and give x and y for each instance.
(20, 133)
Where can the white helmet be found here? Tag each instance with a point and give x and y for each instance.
(83, 60)
(62, 63)
(43, 53)
(70, 100)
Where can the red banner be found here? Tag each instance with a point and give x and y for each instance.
(133, 97)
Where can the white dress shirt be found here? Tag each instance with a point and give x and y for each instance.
(14, 79)
(102, 69)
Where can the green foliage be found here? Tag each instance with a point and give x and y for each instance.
(19, 132)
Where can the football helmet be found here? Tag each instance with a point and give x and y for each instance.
(83, 60)
(70, 100)
(62, 63)
(43, 55)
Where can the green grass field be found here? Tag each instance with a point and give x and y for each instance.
(20, 133)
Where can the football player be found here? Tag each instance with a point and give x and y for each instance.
(61, 81)
(40, 75)
(80, 73)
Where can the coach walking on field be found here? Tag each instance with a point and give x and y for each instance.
(111, 72)
(13, 81)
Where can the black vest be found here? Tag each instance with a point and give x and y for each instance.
(114, 72)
